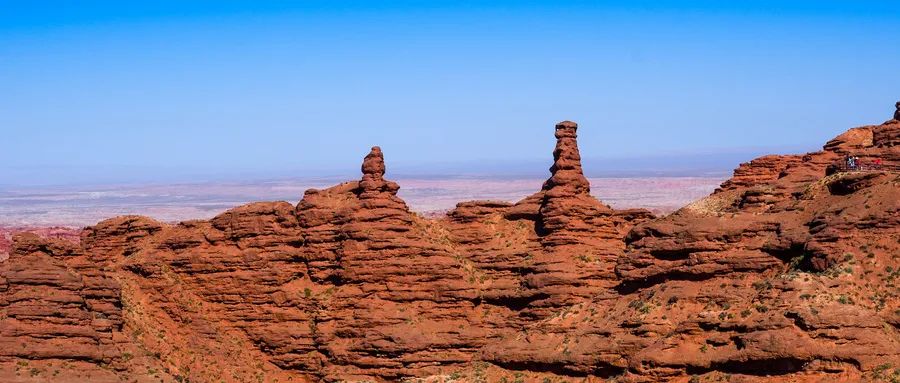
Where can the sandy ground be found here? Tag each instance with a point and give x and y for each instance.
(82, 206)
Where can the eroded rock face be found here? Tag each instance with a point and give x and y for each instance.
(580, 237)
(51, 310)
(7, 232)
(778, 247)
(58, 306)
(783, 274)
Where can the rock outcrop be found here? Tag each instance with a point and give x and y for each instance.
(783, 246)
(787, 273)
(574, 229)
(55, 232)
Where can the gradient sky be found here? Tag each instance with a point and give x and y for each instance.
(124, 91)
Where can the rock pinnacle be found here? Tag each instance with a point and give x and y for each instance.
(373, 174)
(373, 165)
(566, 170)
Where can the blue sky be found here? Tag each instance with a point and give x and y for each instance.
(166, 90)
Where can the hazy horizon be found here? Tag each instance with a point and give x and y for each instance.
(701, 164)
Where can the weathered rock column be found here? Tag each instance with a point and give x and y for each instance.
(568, 213)
(578, 234)
(373, 182)
(567, 176)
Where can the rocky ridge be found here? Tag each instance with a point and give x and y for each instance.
(787, 273)
(7, 232)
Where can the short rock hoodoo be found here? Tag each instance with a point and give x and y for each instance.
(373, 182)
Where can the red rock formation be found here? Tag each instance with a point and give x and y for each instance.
(393, 298)
(7, 233)
(56, 305)
(53, 311)
(787, 273)
(786, 248)
(5, 245)
(574, 229)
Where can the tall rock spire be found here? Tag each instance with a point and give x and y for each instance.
(897, 111)
(567, 176)
(567, 210)
(572, 226)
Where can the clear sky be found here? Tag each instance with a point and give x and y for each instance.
(129, 90)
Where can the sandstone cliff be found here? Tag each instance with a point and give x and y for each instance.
(787, 273)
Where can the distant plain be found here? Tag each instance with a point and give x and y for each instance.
(78, 206)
